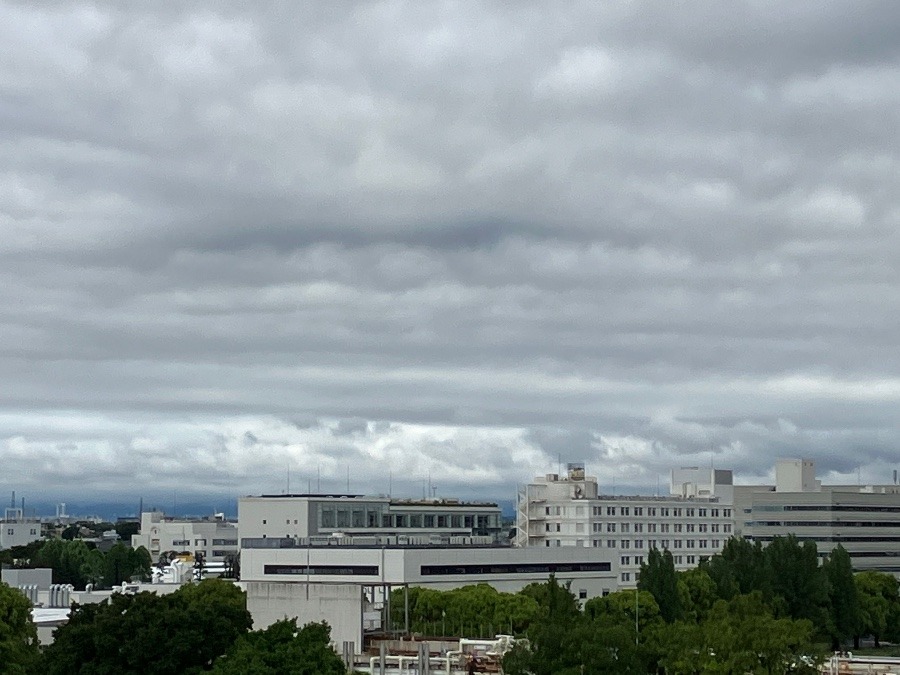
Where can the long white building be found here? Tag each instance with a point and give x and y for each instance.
(342, 580)
(567, 511)
(864, 519)
(311, 515)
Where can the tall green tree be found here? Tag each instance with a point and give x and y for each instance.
(844, 606)
(879, 605)
(659, 579)
(799, 579)
(282, 649)
(18, 636)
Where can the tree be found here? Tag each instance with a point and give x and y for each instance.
(283, 648)
(697, 593)
(658, 578)
(185, 631)
(619, 608)
(738, 636)
(879, 604)
(798, 579)
(845, 616)
(18, 636)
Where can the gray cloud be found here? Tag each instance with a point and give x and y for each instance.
(456, 239)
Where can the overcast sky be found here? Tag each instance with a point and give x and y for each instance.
(469, 240)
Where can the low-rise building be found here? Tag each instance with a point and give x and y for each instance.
(216, 539)
(340, 580)
(17, 530)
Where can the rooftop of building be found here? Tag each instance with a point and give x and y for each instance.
(397, 501)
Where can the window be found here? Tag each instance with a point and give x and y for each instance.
(10, 531)
(677, 559)
(715, 513)
(676, 543)
(610, 510)
(625, 510)
(548, 511)
(726, 513)
(546, 527)
(676, 513)
(702, 527)
(714, 543)
(726, 528)
(626, 576)
(651, 511)
(610, 527)
(638, 527)
(701, 513)
(639, 543)
(664, 543)
(582, 593)
(691, 543)
(701, 543)
(651, 527)
(664, 527)
(638, 510)
(690, 513)
(625, 560)
(638, 560)
(691, 559)
(610, 543)
(181, 542)
(664, 511)
(690, 527)
(264, 521)
(626, 543)
(715, 527)
(625, 527)
(651, 543)
(678, 527)
(558, 527)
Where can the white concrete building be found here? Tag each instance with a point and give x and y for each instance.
(567, 511)
(864, 519)
(311, 515)
(17, 530)
(340, 582)
(215, 538)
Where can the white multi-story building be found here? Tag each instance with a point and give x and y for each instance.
(17, 530)
(864, 519)
(310, 515)
(693, 523)
(215, 538)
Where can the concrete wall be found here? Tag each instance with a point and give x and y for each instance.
(341, 605)
(41, 577)
(19, 533)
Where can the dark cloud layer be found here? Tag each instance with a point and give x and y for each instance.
(454, 239)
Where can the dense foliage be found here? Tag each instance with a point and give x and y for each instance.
(78, 563)
(18, 636)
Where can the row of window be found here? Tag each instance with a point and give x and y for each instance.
(649, 511)
(443, 570)
(11, 531)
(641, 543)
(663, 528)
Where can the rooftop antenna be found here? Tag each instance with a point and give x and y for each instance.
(318, 479)
(12, 502)
(390, 483)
